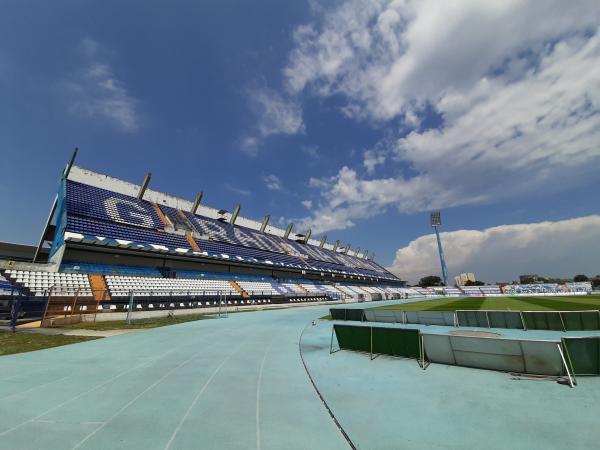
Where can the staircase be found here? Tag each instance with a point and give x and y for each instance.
(238, 288)
(161, 215)
(99, 288)
(344, 294)
(302, 288)
(190, 239)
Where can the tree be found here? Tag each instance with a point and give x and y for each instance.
(596, 282)
(579, 278)
(526, 279)
(430, 280)
(474, 283)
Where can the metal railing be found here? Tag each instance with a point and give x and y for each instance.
(70, 304)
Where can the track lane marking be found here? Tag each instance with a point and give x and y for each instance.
(187, 413)
(66, 402)
(258, 385)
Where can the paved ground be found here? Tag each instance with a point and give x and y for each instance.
(402, 406)
(240, 383)
(223, 383)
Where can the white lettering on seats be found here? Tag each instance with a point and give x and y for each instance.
(111, 207)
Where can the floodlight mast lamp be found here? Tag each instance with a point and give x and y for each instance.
(436, 222)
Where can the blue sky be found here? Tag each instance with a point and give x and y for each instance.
(353, 118)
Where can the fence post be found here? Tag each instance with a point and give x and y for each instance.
(130, 309)
(75, 302)
(563, 322)
(523, 320)
(371, 354)
(14, 316)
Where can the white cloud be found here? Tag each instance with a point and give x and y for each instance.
(272, 182)
(515, 85)
(372, 159)
(557, 249)
(390, 56)
(307, 204)
(237, 190)
(276, 114)
(95, 91)
(249, 145)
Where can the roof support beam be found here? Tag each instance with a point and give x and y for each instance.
(236, 213)
(68, 168)
(323, 240)
(288, 230)
(336, 245)
(197, 202)
(144, 186)
(265, 222)
(307, 237)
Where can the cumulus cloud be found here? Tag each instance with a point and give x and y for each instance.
(387, 56)
(276, 114)
(557, 249)
(96, 92)
(515, 85)
(272, 182)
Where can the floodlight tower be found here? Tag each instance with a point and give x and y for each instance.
(436, 222)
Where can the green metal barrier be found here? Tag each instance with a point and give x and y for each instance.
(581, 320)
(337, 313)
(352, 337)
(505, 319)
(583, 354)
(543, 320)
(355, 314)
(472, 319)
(397, 342)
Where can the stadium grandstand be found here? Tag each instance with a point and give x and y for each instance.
(107, 239)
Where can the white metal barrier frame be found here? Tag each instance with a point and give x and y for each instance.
(531, 356)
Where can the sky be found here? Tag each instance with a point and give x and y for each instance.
(352, 118)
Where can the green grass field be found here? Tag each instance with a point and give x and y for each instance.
(138, 323)
(574, 303)
(11, 343)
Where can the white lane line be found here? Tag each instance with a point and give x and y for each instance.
(137, 397)
(187, 413)
(54, 422)
(96, 355)
(37, 386)
(60, 405)
(258, 384)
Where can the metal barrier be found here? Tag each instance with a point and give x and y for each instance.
(520, 320)
(398, 342)
(536, 357)
(67, 305)
(508, 355)
(583, 354)
(355, 314)
(18, 308)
